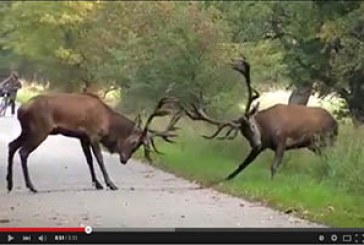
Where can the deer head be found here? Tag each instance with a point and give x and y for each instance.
(145, 136)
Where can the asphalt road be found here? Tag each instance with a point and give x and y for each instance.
(147, 197)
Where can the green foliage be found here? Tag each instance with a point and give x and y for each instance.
(48, 35)
(249, 20)
(145, 49)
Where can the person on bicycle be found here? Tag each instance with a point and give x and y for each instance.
(9, 87)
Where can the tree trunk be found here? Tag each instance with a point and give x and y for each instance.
(300, 95)
(354, 98)
(356, 107)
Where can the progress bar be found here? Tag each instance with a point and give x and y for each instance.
(41, 229)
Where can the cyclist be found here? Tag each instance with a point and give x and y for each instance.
(9, 87)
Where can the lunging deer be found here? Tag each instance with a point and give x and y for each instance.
(88, 118)
(279, 128)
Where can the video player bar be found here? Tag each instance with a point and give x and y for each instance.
(42, 229)
(87, 235)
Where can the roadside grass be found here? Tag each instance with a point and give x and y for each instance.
(326, 190)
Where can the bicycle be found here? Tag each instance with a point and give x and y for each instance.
(4, 102)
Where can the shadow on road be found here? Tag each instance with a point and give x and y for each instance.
(91, 189)
(184, 188)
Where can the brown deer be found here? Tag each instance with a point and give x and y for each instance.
(279, 128)
(86, 117)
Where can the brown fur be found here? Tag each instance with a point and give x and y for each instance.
(284, 127)
(297, 124)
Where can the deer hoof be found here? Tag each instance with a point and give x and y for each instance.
(9, 182)
(10, 186)
(98, 186)
(32, 189)
(112, 187)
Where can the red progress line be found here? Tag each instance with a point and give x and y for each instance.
(42, 229)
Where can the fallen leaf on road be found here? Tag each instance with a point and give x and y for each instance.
(241, 204)
(4, 220)
(132, 188)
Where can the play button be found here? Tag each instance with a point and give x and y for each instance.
(10, 238)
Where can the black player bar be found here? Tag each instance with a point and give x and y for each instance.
(191, 235)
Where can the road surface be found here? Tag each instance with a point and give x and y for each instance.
(147, 197)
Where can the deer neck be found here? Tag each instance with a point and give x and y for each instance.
(119, 128)
(256, 138)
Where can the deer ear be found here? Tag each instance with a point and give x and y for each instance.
(254, 110)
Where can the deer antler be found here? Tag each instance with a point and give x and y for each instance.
(165, 134)
(168, 132)
(234, 131)
(197, 114)
(158, 112)
(243, 67)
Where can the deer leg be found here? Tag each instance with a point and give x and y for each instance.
(97, 152)
(13, 147)
(250, 158)
(318, 143)
(86, 150)
(315, 149)
(24, 153)
(12, 103)
(279, 152)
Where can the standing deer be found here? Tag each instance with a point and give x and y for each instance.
(88, 118)
(279, 128)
